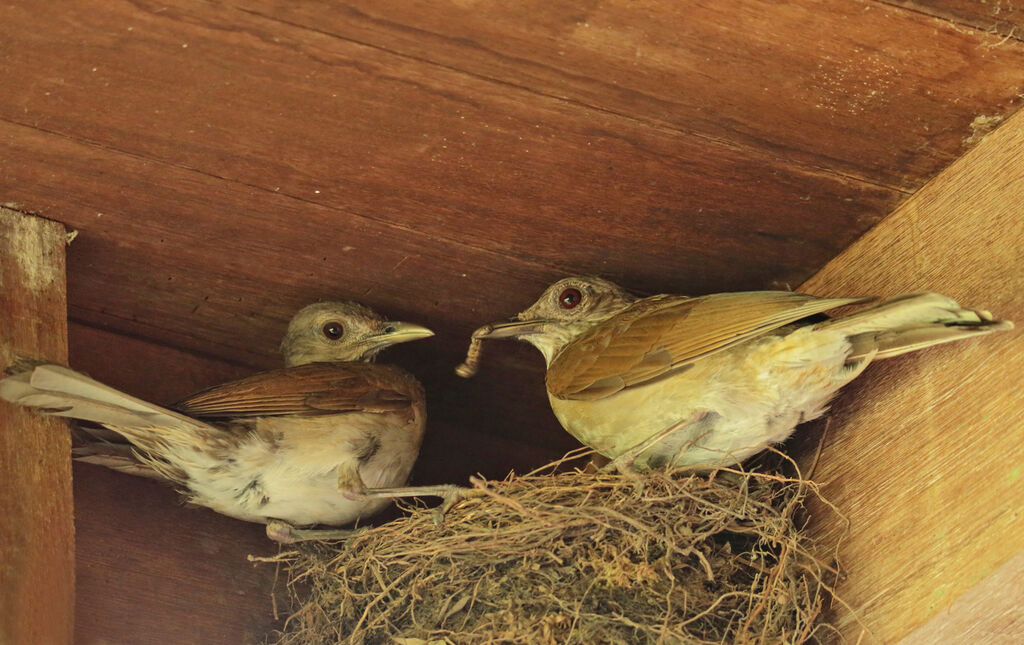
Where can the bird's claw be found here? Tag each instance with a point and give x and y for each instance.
(450, 498)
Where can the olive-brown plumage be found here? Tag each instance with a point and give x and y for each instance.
(711, 380)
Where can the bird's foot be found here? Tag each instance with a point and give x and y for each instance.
(619, 466)
(285, 533)
(454, 495)
(627, 469)
(449, 493)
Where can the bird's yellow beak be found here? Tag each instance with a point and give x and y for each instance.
(393, 333)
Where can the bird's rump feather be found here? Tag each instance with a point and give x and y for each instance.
(662, 334)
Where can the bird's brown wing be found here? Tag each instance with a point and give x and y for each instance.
(307, 390)
(656, 335)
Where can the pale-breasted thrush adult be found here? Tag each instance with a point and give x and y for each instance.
(673, 381)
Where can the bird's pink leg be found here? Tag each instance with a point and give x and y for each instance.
(450, 493)
(285, 533)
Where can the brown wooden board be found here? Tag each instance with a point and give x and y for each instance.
(37, 537)
(857, 88)
(438, 154)
(923, 452)
(1004, 17)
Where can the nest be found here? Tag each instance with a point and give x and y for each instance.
(579, 556)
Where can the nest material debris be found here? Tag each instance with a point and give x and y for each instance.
(573, 557)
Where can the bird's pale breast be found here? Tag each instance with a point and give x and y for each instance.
(294, 468)
(731, 404)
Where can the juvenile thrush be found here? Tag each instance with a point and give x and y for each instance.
(708, 381)
(290, 447)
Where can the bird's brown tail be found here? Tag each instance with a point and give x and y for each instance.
(911, 322)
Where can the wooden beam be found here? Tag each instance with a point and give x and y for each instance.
(36, 530)
(924, 453)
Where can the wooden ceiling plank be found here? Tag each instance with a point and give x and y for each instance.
(923, 453)
(859, 88)
(436, 151)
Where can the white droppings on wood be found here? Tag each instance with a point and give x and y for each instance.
(31, 264)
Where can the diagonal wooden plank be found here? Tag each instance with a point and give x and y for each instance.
(37, 537)
(988, 612)
(924, 452)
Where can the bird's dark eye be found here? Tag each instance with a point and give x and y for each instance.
(569, 298)
(333, 330)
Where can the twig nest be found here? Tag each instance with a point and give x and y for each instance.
(575, 557)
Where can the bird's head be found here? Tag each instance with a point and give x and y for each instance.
(565, 310)
(342, 331)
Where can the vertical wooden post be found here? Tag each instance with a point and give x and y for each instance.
(37, 564)
(925, 452)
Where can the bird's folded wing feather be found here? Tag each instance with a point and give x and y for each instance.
(307, 390)
(656, 335)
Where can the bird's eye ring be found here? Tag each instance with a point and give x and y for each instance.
(333, 330)
(570, 298)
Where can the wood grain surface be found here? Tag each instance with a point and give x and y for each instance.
(924, 452)
(853, 87)
(37, 536)
(988, 612)
(1003, 17)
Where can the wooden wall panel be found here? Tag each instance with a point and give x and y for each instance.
(923, 453)
(37, 537)
(173, 277)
